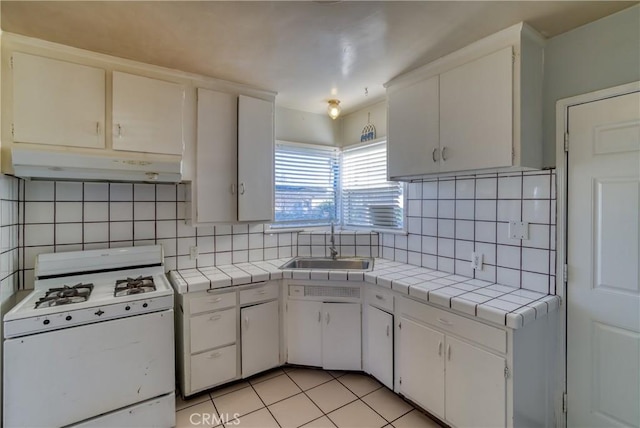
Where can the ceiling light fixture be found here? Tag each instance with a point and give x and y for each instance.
(334, 109)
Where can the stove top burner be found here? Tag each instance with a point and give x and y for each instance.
(126, 287)
(65, 295)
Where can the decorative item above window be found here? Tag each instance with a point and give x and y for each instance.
(369, 131)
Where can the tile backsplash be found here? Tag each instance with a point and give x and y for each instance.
(9, 233)
(450, 218)
(70, 216)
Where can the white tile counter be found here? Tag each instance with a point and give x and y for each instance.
(500, 304)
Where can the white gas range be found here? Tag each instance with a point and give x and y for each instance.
(93, 344)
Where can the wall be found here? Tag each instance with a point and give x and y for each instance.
(449, 218)
(303, 127)
(353, 123)
(71, 216)
(598, 55)
(9, 236)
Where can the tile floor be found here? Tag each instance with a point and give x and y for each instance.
(291, 397)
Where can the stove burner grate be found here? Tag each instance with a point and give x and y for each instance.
(141, 284)
(65, 295)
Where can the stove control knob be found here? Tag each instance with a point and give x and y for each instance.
(100, 312)
(127, 308)
(144, 305)
(68, 318)
(46, 322)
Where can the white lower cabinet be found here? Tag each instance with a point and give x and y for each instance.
(260, 337)
(453, 379)
(379, 349)
(212, 368)
(324, 334)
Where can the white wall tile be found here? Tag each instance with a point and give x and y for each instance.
(96, 192)
(486, 210)
(166, 211)
(510, 187)
(96, 211)
(166, 229)
(486, 188)
(536, 187)
(464, 250)
(446, 209)
(144, 210)
(508, 256)
(121, 231)
(38, 234)
(488, 252)
(465, 209)
(465, 189)
(485, 231)
(509, 210)
(144, 230)
(144, 192)
(430, 226)
(68, 233)
(166, 192)
(536, 211)
(120, 211)
(37, 212)
(68, 191)
(535, 260)
(121, 192)
(430, 190)
(241, 242)
(446, 189)
(39, 190)
(429, 208)
(223, 243)
(96, 232)
(68, 212)
(446, 228)
(414, 243)
(446, 247)
(465, 230)
(429, 245)
(414, 208)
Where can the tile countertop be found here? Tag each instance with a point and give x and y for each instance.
(500, 304)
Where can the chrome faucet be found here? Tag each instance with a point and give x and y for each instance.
(332, 240)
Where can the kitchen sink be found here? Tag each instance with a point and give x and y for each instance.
(347, 263)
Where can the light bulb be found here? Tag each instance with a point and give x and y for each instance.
(334, 109)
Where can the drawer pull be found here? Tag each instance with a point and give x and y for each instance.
(444, 322)
(260, 292)
(215, 318)
(387, 331)
(440, 349)
(214, 355)
(449, 352)
(379, 297)
(328, 318)
(246, 322)
(319, 316)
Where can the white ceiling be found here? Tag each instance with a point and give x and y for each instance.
(307, 51)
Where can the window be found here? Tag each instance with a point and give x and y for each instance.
(306, 183)
(368, 199)
(315, 185)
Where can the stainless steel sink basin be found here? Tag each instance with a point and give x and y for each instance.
(350, 263)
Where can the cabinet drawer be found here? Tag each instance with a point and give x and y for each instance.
(478, 332)
(267, 292)
(209, 302)
(213, 367)
(379, 298)
(213, 330)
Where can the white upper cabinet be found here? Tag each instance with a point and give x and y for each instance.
(477, 109)
(413, 138)
(234, 159)
(476, 114)
(255, 159)
(215, 185)
(57, 102)
(147, 114)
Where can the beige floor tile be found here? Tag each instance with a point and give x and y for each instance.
(242, 402)
(295, 411)
(309, 378)
(386, 403)
(181, 403)
(359, 384)
(229, 388)
(199, 415)
(276, 389)
(415, 419)
(258, 419)
(266, 375)
(323, 422)
(331, 395)
(356, 415)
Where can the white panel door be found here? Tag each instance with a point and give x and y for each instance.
(603, 292)
(476, 113)
(304, 333)
(413, 143)
(422, 365)
(260, 333)
(379, 352)
(215, 186)
(476, 390)
(57, 103)
(255, 159)
(147, 114)
(342, 336)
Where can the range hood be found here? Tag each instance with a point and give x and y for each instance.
(29, 163)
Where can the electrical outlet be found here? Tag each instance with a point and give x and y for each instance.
(518, 230)
(477, 260)
(193, 252)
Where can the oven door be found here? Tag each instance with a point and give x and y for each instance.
(66, 376)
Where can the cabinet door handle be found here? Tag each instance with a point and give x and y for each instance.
(215, 318)
(444, 154)
(444, 322)
(242, 188)
(214, 355)
(328, 318)
(387, 331)
(434, 155)
(379, 297)
(98, 131)
(449, 352)
(233, 189)
(246, 323)
(440, 348)
(119, 128)
(319, 316)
